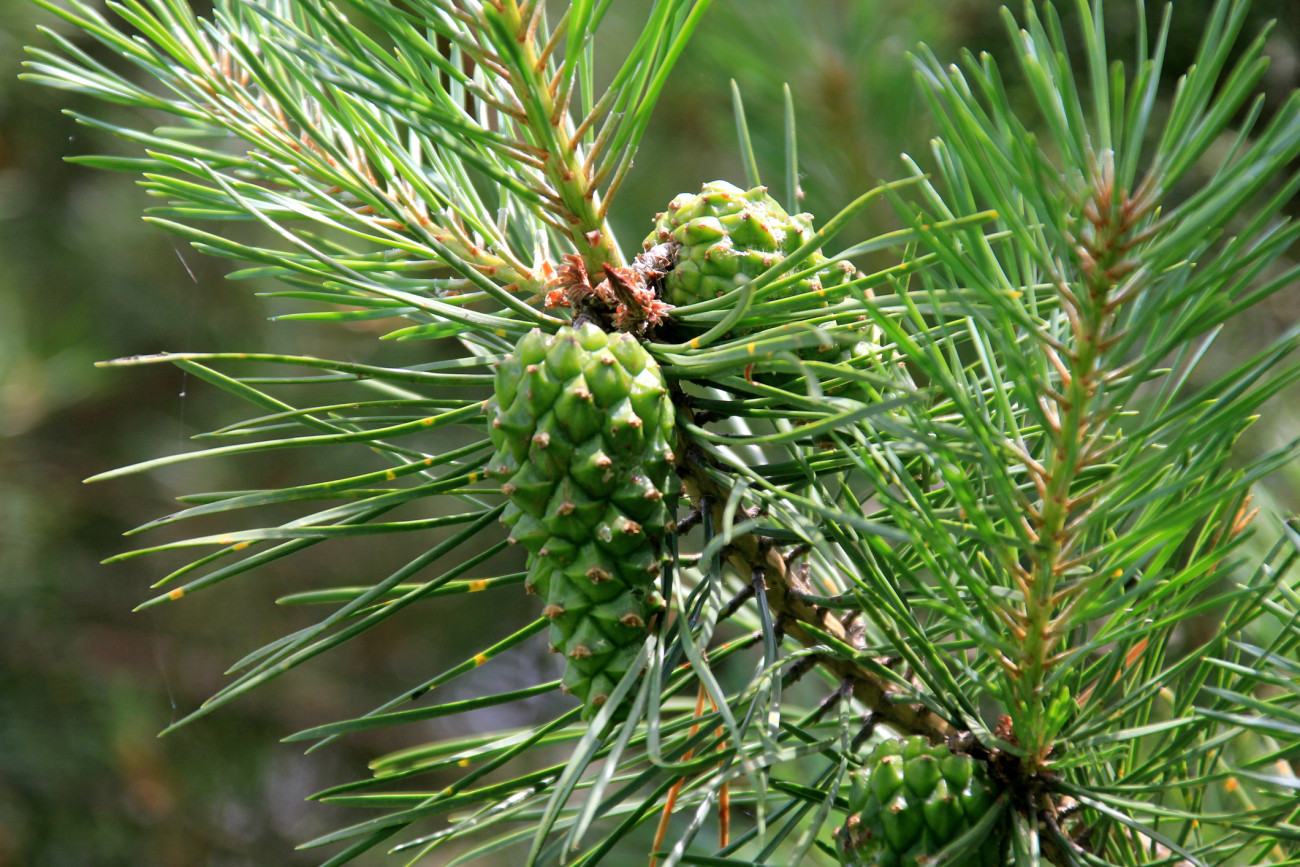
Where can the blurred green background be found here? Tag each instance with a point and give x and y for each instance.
(85, 684)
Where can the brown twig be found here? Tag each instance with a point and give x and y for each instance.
(748, 552)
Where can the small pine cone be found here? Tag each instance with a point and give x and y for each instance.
(910, 800)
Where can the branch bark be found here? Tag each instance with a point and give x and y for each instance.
(748, 552)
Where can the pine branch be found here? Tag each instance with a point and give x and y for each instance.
(516, 37)
(809, 624)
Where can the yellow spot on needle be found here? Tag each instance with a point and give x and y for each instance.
(464, 763)
(749, 347)
(177, 593)
(501, 332)
(1231, 784)
(480, 658)
(477, 585)
(225, 540)
(428, 421)
(239, 546)
(390, 475)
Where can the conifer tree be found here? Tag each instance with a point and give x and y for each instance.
(948, 561)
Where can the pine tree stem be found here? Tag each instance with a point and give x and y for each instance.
(551, 130)
(1076, 414)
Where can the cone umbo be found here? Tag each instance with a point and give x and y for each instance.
(910, 800)
(583, 426)
(729, 236)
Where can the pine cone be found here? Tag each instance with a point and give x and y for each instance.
(910, 800)
(583, 425)
(728, 237)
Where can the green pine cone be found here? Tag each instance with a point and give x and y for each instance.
(583, 427)
(729, 236)
(910, 800)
